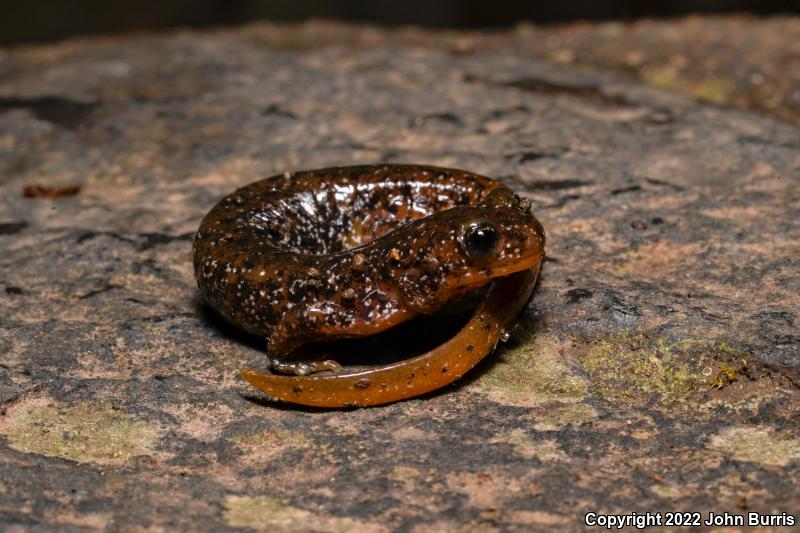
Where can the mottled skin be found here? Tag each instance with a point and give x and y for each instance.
(352, 251)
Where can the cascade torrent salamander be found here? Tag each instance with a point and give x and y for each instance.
(347, 252)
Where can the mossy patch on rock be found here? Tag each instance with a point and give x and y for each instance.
(759, 444)
(533, 374)
(269, 514)
(83, 432)
(558, 415)
(631, 367)
(668, 491)
(715, 89)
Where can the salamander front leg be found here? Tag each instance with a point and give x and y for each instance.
(282, 345)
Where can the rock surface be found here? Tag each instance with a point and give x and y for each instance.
(657, 368)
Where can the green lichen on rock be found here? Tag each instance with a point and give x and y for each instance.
(631, 367)
(558, 415)
(715, 89)
(533, 374)
(269, 514)
(259, 512)
(759, 444)
(83, 432)
(668, 491)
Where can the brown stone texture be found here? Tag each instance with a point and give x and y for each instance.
(656, 369)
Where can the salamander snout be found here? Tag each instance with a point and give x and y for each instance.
(505, 238)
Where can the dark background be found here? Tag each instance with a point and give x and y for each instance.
(43, 20)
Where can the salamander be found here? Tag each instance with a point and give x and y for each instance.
(347, 252)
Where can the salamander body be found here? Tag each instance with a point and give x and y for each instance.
(352, 251)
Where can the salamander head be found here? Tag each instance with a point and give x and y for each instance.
(461, 249)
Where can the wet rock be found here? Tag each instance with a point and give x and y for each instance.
(657, 367)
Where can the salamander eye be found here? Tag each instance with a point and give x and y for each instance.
(479, 240)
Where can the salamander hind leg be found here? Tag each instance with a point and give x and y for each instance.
(281, 348)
